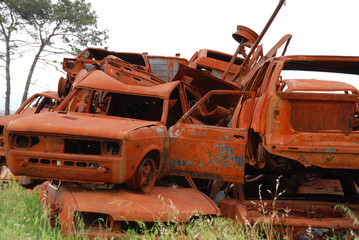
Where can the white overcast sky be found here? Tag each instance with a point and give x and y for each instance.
(165, 27)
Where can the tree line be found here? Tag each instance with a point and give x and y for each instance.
(47, 27)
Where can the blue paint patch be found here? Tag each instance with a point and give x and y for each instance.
(216, 73)
(330, 150)
(327, 158)
(313, 149)
(161, 132)
(224, 138)
(212, 159)
(198, 133)
(179, 162)
(172, 140)
(226, 154)
(177, 133)
(225, 164)
(350, 124)
(196, 174)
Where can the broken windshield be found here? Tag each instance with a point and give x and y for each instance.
(116, 104)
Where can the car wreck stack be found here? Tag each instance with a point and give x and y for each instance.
(133, 128)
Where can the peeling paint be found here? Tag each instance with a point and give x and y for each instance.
(225, 137)
(161, 132)
(195, 174)
(327, 158)
(177, 133)
(179, 162)
(330, 150)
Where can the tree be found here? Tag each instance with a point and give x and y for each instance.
(71, 22)
(59, 27)
(9, 24)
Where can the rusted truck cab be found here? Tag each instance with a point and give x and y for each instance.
(305, 112)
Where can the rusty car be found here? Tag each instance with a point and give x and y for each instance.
(107, 131)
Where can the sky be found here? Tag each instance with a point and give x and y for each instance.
(166, 27)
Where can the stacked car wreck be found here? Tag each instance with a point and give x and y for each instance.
(133, 127)
(111, 129)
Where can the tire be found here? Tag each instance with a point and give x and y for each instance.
(145, 176)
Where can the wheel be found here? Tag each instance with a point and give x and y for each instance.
(145, 176)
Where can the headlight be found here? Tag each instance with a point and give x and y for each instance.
(111, 148)
(23, 141)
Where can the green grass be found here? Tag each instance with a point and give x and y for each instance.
(22, 217)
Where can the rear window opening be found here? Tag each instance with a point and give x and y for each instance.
(322, 96)
(319, 82)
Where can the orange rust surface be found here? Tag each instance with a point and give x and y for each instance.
(298, 214)
(120, 205)
(214, 63)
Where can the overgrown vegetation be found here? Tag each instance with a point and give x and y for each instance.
(22, 217)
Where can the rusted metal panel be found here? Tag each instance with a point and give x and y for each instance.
(212, 152)
(165, 67)
(118, 206)
(215, 63)
(207, 152)
(298, 85)
(296, 214)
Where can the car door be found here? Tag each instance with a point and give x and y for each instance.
(203, 142)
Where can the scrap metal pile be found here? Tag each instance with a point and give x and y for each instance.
(203, 134)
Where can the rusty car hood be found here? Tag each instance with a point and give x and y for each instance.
(162, 204)
(6, 119)
(78, 124)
